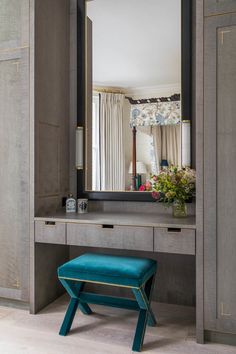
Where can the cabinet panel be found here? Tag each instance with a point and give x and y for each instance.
(214, 7)
(14, 171)
(226, 171)
(220, 170)
(50, 232)
(9, 22)
(179, 241)
(48, 160)
(122, 237)
(14, 149)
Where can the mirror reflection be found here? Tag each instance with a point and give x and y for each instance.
(134, 124)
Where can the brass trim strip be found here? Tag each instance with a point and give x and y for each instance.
(103, 283)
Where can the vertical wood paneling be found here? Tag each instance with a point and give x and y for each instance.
(219, 173)
(14, 149)
(73, 94)
(198, 38)
(226, 171)
(52, 102)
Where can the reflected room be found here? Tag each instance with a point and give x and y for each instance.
(134, 122)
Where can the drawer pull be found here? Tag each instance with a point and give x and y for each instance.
(174, 229)
(108, 226)
(50, 223)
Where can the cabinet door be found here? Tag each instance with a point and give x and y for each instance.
(220, 173)
(14, 149)
(214, 7)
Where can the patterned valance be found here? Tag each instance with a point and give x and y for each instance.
(150, 114)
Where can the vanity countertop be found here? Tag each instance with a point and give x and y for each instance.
(118, 218)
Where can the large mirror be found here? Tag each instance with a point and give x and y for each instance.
(134, 121)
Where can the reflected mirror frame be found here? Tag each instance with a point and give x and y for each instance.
(186, 95)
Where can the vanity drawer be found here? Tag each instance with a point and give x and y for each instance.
(110, 236)
(174, 240)
(50, 232)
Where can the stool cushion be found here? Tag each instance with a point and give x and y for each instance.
(115, 270)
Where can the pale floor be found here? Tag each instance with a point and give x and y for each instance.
(107, 331)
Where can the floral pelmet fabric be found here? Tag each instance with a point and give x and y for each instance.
(151, 114)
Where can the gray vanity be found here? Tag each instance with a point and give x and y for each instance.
(38, 122)
(129, 231)
(60, 236)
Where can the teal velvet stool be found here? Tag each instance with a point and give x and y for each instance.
(134, 273)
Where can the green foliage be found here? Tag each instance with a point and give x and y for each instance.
(174, 185)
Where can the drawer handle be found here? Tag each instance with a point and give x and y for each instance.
(173, 229)
(50, 223)
(108, 226)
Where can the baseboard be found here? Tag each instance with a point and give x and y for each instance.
(218, 337)
(17, 304)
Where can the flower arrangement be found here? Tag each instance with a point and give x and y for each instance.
(146, 187)
(174, 185)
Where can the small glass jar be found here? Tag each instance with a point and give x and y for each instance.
(179, 210)
(82, 206)
(70, 204)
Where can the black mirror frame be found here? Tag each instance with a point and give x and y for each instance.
(186, 95)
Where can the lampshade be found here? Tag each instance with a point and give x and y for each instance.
(164, 163)
(79, 148)
(140, 168)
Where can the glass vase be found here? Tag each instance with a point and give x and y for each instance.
(179, 210)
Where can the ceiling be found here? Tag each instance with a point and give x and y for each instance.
(136, 43)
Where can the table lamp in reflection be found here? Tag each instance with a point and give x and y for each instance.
(140, 170)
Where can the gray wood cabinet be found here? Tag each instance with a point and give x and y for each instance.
(219, 173)
(14, 149)
(34, 117)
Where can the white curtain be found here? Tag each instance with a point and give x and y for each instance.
(96, 173)
(171, 144)
(156, 133)
(111, 142)
(167, 143)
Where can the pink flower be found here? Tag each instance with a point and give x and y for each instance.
(154, 178)
(155, 195)
(148, 186)
(142, 188)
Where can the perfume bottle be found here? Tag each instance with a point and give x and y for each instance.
(70, 204)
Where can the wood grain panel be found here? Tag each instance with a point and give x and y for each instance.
(49, 161)
(52, 100)
(48, 232)
(217, 7)
(198, 80)
(10, 26)
(219, 170)
(122, 237)
(226, 172)
(14, 162)
(181, 241)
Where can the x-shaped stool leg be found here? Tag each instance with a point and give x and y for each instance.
(73, 289)
(143, 297)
